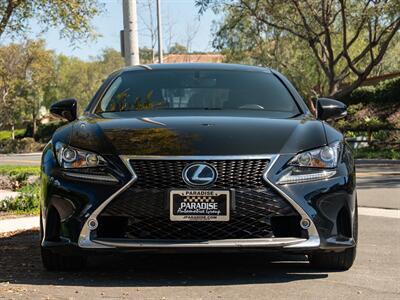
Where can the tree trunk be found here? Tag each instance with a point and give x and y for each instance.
(13, 132)
(33, 125)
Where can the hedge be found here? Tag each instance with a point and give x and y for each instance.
(386, 92)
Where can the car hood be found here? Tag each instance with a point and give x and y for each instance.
(205, 133)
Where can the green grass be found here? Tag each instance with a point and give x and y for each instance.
(6, 134)
(28, 200)
(11, 169)
(19, 173)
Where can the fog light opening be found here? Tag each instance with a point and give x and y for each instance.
(305, 223)
(92, 224)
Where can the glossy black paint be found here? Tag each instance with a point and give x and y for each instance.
(66, 108)
(193, 132)
(196, 132)
(329, 109)
(322, 200)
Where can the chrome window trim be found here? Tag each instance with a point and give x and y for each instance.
(313, 240)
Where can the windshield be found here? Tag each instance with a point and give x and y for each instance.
(193, 89)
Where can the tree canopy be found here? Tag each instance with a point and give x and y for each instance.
(32, 77)
(72, 17)
(339, 41)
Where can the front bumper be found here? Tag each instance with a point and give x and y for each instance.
(319, 202)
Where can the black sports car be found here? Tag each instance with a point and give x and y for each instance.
(198, 157)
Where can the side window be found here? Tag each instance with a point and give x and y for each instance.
(108, 96)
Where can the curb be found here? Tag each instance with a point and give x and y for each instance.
(360, 162)
(22, 154)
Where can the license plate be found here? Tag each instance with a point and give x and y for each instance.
(199, 205)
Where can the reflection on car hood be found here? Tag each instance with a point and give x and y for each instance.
(196, 133)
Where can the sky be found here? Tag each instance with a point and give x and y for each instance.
(180, 15)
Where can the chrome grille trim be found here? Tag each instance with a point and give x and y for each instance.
(312, 242)
(92, 177)
(196, 157)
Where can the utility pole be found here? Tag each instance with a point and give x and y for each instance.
(159, 25)
(131, 45)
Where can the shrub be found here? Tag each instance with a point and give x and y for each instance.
(371, 153)
(20, 173)
(25, 145)
(7, 134)
(386, 92)
(28, 200)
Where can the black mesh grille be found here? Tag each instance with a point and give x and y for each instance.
(146, 208)
(166, 174)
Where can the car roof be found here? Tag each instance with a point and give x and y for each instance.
(197, 66)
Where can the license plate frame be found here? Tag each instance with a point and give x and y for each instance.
(200, 205)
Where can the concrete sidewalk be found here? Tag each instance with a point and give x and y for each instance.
(15, 224)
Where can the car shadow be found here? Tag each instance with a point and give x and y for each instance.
(20, 263)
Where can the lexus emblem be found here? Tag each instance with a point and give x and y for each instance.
(199, 174)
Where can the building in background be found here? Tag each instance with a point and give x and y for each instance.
(194, 57)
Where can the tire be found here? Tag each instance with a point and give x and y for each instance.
(338, 260)
(57, 262)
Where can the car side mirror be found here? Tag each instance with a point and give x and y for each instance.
(329, 109)
(66, 109)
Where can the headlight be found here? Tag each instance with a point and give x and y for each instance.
(313, 165)
(325, 157)
(70, 157)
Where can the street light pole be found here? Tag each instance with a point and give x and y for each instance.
(159, 26)
(131, 45)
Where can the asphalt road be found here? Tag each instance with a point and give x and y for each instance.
(28, 159)
(375, 274)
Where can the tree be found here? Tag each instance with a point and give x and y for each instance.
(32, 77)
(10, 64)
(72, 16)
(246, 44)
(146, 55)
(109, 61)
(79, 79)
(39, 73)
(150, 24)
(26, 71)
(178, 49)
(192, 28)
(347, 38)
